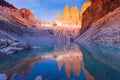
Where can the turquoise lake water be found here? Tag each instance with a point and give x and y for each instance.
(64, 62)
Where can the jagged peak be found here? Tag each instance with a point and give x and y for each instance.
(66, 12)
(27, 14)
(75, 14)
(70, 16)
(75, 11)
(59, 17)
(67, 7)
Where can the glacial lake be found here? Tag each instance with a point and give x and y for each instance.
(64, 62)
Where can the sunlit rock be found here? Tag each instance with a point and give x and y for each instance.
(59, 17)
(67, 13)
(97, 10)
(75, 15)
(27, 14)
(84, 7)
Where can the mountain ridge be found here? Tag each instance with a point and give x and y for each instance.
(4, 3)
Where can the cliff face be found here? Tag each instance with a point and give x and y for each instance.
(6, 4)
(84, 7)
(98, 9)
(105, 31)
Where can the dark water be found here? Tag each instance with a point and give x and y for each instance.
(64, 62)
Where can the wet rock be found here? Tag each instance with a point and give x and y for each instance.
(3, 77)
(19, 45)
(3, 44)
(8, 46)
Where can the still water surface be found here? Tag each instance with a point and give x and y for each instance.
(64, 62)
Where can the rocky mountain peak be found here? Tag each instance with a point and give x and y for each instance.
(6, 4)
(26, 13)
(59, 17)
(66, 13)
(70, 17)
(75, 14)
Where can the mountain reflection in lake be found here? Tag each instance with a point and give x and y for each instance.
(64, 62)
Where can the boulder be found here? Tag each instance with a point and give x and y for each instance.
(3, 77)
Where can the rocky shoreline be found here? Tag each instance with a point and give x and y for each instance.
(5, 77)
(8, 46)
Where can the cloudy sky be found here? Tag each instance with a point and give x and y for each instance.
(46, 9)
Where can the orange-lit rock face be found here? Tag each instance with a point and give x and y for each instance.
(97, 10)
(75, 14)
(27, 14)
(70, 17)
(84, 7)
(67, 13)
(59, 17)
